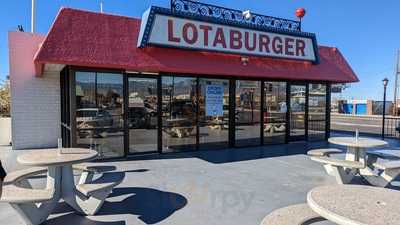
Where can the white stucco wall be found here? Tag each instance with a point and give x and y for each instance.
(35, 101)
(5, 131)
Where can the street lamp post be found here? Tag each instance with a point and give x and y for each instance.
(385, 83)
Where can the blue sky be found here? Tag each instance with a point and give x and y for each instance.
(366, 32)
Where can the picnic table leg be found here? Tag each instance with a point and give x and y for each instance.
(82, 204)
(34, 214)
(68, 190)
(353, 154)
(342, 175)
(381, 180)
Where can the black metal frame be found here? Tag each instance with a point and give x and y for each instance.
(71, 70)
(288, 122)
(65, 107)
(126, 114)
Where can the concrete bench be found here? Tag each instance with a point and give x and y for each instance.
(386, 154)
(299, 214)
(33, 205)
(339, 162)
(17, 195)
(93, 167)
(106, 181)
(387, 172)
(19, 175)
(390, 165)
(343, 170)
(324, 152)
(88, 170)
(373, 156)
(95, 192)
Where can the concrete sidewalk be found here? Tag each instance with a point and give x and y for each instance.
(236, 186)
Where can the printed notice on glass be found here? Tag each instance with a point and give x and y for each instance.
(214, 100)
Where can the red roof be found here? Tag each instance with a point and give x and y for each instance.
(83, 38)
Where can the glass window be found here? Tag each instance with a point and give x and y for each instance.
(179, 113)
(85, 90)
(142, 114)
(316, 111)
(99, 110)
(297, 111)
(247, 112)
(213, 113)
(274, 113)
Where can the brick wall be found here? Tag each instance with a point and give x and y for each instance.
(35, 101)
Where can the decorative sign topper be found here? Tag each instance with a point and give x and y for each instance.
(161, 27)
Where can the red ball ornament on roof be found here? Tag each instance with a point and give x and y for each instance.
(300, 13)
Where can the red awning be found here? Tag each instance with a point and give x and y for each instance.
(89, 39)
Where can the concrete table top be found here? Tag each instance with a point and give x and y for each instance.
(360, 143)
(52, 157)
(356, 204)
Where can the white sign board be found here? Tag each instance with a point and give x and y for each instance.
(214, 100)
(192, 34)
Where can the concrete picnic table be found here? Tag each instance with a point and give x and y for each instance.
(60, 172)
(177, 127)
(356, 148)
(357, 151)
(356, 204)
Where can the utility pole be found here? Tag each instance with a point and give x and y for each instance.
(33, 15)
(101, 6)
(396, 84)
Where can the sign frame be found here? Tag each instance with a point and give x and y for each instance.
(149, 16)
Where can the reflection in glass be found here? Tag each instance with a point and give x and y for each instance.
(214, 113)
(179, 113)
(274, 112)
(297, 111)
(142, 114)
(247, 112)
(316, 111)
(99, 121)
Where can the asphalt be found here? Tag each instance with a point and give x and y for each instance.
(365, 124)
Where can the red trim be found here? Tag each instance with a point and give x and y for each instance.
(91, 39)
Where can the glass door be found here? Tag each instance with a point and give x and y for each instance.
(297, 112)
(213, 113)
(142, 114)
(247, 113)
(179, 113)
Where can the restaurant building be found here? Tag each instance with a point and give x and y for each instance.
(186, 78)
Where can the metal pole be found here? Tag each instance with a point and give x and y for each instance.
(396, 77)
(33, 12)
(383, 112)
(300, 24)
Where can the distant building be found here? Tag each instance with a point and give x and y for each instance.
(363, 107)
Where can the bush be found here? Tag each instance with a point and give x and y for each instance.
(5, 98)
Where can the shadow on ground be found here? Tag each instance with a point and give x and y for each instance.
(229, 155)
(150, 205)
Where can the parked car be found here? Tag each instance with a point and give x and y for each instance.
(92, 121)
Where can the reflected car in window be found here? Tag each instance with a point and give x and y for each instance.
(89, 119)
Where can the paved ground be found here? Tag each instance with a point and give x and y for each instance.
(225, 187)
